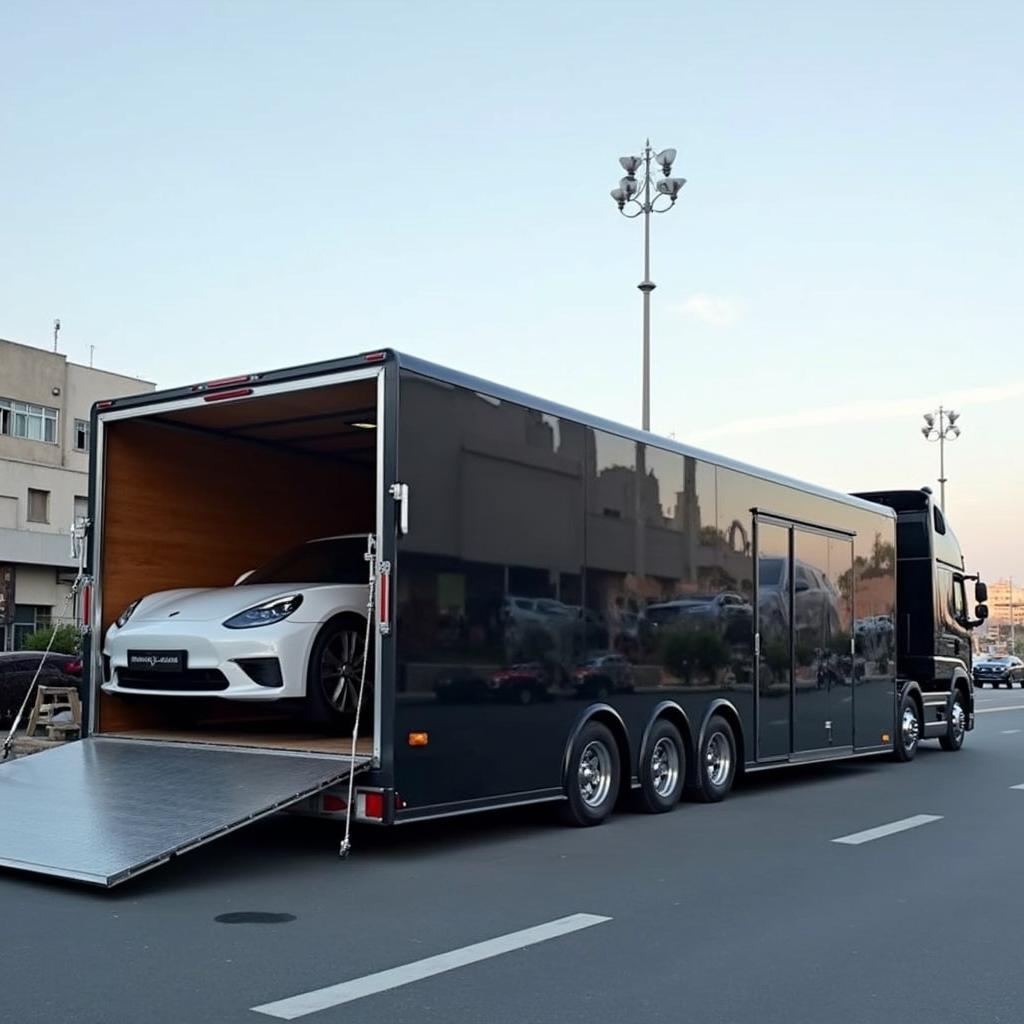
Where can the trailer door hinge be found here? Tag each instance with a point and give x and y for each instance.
(400, 492)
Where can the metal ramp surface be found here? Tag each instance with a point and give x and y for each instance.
(102, 810)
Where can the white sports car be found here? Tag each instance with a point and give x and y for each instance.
(295, 628)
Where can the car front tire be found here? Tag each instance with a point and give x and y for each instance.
(335, 671)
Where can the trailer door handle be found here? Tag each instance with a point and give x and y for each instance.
(400, 492)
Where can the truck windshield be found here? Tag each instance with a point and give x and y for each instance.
(334, 560)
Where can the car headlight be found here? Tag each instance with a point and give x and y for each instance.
(265, 614)
(127, 613)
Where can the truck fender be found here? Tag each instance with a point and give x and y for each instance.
(614, 721)
(909, 686)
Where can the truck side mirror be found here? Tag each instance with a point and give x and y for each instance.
(981, 611)
(980, 592)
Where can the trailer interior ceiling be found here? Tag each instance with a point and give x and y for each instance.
(196, 496)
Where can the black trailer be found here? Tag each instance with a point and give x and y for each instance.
(567, 610)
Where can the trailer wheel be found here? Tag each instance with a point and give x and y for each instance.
(715, 769)
(592, 779)
(908, 729)
(957, 728)
(662, 769)
(335, 669)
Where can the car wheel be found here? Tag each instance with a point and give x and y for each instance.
(956, 730)
(908, 729)
(662, 769)
(335, 671)
(592, 777)
(715, 769)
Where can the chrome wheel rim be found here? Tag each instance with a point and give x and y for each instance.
(958, 720)
(341, 669)
(718, 759)
(595, 773)
(909, 728)
(664, 767)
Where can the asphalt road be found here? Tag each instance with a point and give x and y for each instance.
(742, 911)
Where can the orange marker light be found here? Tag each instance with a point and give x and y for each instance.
(419, 739)
(885, 737)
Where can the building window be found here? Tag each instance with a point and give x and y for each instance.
(81, 435)
(38, 506)
(32, 422)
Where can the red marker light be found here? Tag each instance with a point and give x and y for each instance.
(373, 805)
(220, 396)
(375, 357)
(86, 604)
(384, 615)
(333, 803)
(104, 405)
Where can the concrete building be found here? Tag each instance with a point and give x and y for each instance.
(45, 402)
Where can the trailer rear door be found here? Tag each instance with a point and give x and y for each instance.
(103, 810)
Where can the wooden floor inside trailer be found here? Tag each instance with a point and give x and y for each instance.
(310, 743)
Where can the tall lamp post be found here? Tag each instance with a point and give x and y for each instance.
(635, 193)
(940, 426)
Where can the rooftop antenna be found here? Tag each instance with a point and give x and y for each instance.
(56, 331)
(92, 348)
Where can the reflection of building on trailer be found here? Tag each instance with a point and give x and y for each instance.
(514, 659)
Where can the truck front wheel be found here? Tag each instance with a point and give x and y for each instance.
(956, 730)
(908, 729)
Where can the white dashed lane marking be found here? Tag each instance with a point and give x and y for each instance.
(856, 838)
(382, 981)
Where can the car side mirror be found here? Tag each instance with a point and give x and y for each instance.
(981, 612)
(801, 586)
(980, 592)
(245, 575)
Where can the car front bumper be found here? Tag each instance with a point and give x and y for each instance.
(214, 648)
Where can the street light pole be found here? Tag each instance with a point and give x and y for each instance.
(625, 195)
(943, 431)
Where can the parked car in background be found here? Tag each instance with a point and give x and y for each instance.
(18, 669)
(999, 670)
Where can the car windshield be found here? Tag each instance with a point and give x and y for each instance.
(334, 560)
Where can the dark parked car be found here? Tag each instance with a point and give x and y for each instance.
(18, 668)
(602, 673)
(998, 670)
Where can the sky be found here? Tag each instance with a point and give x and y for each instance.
(199, 190)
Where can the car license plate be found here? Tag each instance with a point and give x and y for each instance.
(158, 661)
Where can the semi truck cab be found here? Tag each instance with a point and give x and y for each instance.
(934, 619)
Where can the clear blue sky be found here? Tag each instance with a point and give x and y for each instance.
(199, 189)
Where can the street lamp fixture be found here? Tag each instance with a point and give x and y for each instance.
(941, 426)
(633, 198)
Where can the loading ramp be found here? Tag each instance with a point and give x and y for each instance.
(103, 810)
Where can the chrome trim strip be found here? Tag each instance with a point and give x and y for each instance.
(556, 794)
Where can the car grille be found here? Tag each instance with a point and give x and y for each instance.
(194, 679)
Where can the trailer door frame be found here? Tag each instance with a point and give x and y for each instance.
(95, 560)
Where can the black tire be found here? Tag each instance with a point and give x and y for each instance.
(956, 730)
(715, 768)
(592, 777)
(662, 769)
(331, 698)
(908, 729)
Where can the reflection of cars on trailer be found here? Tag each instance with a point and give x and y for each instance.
(602, 673)
(695, 610)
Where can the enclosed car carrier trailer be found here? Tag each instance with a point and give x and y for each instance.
(563, 609)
